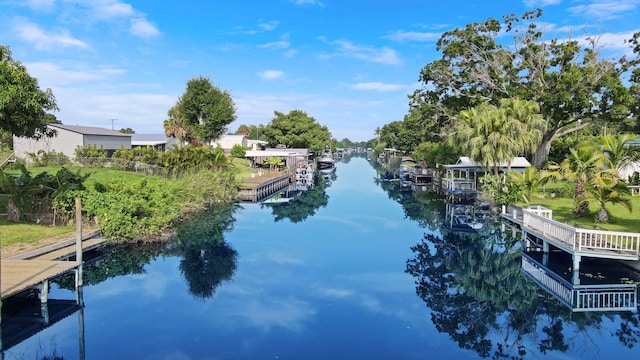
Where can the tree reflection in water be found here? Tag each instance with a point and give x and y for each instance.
(479, 296)
(207, 260)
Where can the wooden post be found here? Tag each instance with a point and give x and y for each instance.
(78, 242)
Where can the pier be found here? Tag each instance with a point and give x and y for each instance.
(537, 225)
(261, 189)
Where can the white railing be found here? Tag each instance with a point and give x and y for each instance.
(610, 297)
(577, 239)
(559, 289)
(552, 229)
(620, 242)
(605, 298)
(459, 184)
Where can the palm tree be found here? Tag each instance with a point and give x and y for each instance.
(530, 180)
(492, 135)
(608, 188)
(177, 126)
(580, 166)
(273, 161)
(616, 151)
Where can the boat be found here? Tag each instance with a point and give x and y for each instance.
(304, 175)
(325, 160)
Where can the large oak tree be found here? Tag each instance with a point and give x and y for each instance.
(297, 130)
(202, 112)
(573, 85)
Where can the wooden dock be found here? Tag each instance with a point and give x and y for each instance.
(263, 188)
(20, 275)
(31, 269)
(538, 223)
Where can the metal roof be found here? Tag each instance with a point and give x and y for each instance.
(88, 130)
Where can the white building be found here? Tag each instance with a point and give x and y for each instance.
(70, 137)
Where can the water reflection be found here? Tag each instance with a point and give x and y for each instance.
(206, 261)
(304, 205)
(479, 295)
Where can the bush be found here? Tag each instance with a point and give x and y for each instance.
(48, 158)
(91, 155)
(132, 210)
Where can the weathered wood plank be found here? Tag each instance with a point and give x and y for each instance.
(19, 275)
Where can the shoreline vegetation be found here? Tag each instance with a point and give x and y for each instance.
(133, 207)
(174, 200)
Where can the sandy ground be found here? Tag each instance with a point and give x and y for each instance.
(15, 249)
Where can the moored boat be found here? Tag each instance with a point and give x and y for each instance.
(326, 161)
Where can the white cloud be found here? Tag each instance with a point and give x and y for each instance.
(271, 74)
(110, 9)
(307, 2)
(53, 75)
(290, 53)
(42, 40)
(541, 3)
(401, 35)
(269, 26)
(377, 86)
(382, 55)
(40, 5)
(275, 45)
(604, 10)
(142, 28)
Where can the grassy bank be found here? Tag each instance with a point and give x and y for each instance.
(130, 206)
(562, 206)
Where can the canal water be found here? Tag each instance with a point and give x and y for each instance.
(356, 268)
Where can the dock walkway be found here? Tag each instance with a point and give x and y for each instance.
(31, 269)
(578, 242)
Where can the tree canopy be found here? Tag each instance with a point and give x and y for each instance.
(202, 112)
(23, 105)
(573, 86)
(297, 130)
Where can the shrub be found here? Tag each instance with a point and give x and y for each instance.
(91, 155)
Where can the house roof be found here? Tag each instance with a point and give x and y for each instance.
(465, 162)
(257, 142)
(300, 151)
(151, 140)
(88, 130)
(231, 137)
(275, 153)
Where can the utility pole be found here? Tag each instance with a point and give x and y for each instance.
(112, 123)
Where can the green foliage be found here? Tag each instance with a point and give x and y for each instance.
(202, 112)
(273, 162)
(48, 158)
(238, 151)
(43, 192)
(573, 86)
(297, 130)
(23, 105)
(493, 135)
(607, 188)
(500, 189)
(126, 210)
(529, 181)
(435, 153)
(192, 158)
(127, 158)
(91, 155)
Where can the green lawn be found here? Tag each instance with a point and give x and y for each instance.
(13, 233)
(620, 218)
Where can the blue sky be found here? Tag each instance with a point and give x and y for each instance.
(350, 64)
